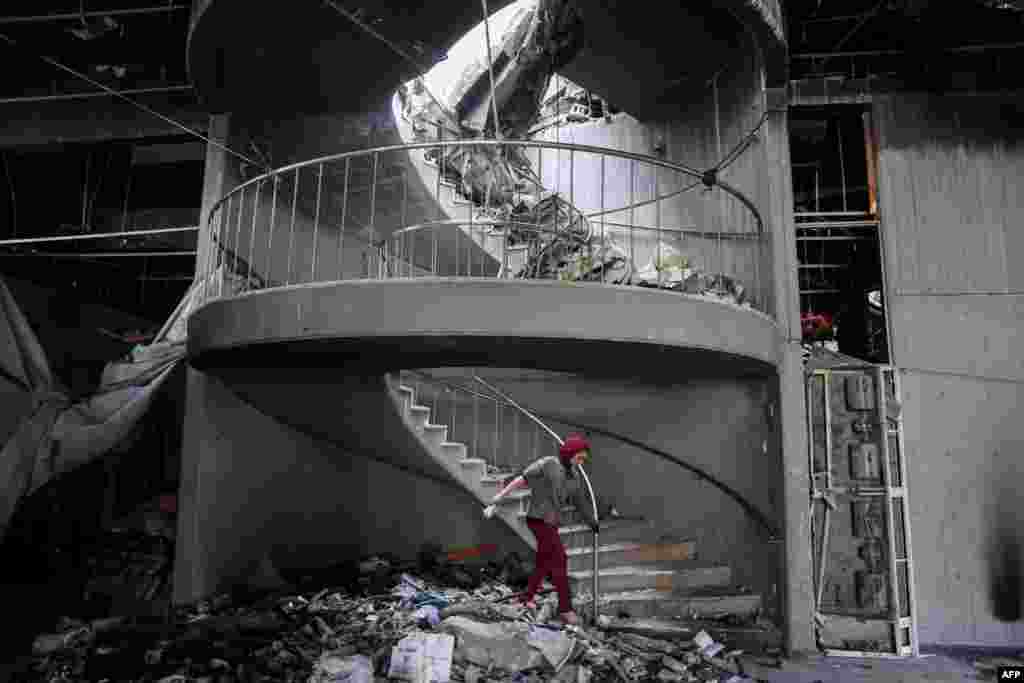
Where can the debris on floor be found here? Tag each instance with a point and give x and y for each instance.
(466, 629)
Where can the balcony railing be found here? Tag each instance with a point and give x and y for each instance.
(490, 209)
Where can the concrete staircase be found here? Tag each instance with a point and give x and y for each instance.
(640, 575)
(475, 473)
(456, 207)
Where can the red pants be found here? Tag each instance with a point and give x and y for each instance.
(551, 560)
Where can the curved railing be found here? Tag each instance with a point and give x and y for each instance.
(586, 214)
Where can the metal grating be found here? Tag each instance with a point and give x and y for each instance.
(903, 588)
(895, 471)
(899, 530)
(874, 530)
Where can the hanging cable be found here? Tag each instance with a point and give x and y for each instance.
(14, 198)
(420, 71)
(490, 69)
(138, 105)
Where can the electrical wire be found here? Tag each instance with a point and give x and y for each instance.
(490, 68)
(138, 105)
(14, 198)
(742, 145)
(420, 71)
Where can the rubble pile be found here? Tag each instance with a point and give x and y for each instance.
(417, 630)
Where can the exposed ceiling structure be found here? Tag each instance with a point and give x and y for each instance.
(952, 44)
(75, 192)
(139, 47)
(128, 45)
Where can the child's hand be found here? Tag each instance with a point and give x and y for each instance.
(489, 511)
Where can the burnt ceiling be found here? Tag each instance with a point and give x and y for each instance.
(923, 43)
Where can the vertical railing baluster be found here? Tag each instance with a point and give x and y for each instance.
(570, 217)
(373, 199)
(204, 293)
(515, 439)
(476, 425)
(504, 253)
(208, 227)
(344, 220)
(291, 232)
(316, 217)
(225, 228)
(238, 231)
(657, 219)
(494, 432)
(270, 228)
(632, 214)
(252, 235)
(440, 159)
(759, 289)
(604, 244)
(405, 209)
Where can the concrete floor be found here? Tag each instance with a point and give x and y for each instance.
(820, 669)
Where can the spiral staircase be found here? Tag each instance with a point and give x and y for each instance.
(647, 583)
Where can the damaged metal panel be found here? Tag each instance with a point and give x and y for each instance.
(864, 591)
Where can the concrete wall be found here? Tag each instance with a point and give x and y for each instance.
(724, 426)
(952, 174)
(703, 131)
(252, 486)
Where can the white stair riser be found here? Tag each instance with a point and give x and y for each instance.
(683, 606)
(453, 453)
(472, 473)
(435, 435)
(684, 580)
(418, 418)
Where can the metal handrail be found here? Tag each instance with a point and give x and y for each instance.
(259, 222)
(714, 180)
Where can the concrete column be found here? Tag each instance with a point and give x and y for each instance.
(799, 593)
(214, 184)
(188, 562)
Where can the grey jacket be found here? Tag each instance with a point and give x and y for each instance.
(552, 487)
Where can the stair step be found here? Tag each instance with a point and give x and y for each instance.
(453, 451)
(612, 529)
(435, 435)
(419, 416)
(624, 578)
(753, 638)
(473, 469)
(629, 554)
(609, 555)
(516, 503)
(496, 481)
(655, 603)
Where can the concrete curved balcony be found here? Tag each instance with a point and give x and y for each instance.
(423, 255)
